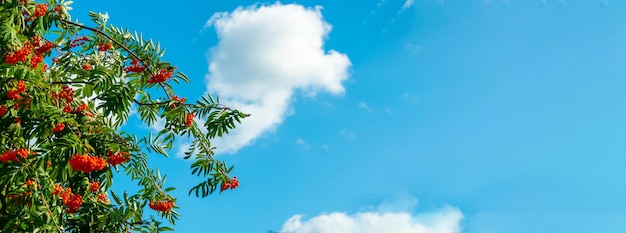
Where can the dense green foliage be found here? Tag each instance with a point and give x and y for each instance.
(65, 91)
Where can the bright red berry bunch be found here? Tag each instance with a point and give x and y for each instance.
(14, 94)
(189, 119)
(35, 60)
(20, 55)
(163, 206)
(78, 41)
(43, 49)
(134, 67)
(58, 128)
(178, 101)
(160, 76)
(71, 200)
(103, 198)
(13, 154)
(3, 110)
(117, 157)
(66, 93)
(40, 10)
(94, 186)
(87, 66)
(231, 184)
(87, 163)
(104, 47)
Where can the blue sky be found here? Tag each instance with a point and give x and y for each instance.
(408, 116)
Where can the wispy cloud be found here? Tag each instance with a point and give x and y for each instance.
(363, 105)
(301, 142)
(347, 134)
(410, 98)
(388, 218)
(412, 48)
(407, 4)
(264, 55)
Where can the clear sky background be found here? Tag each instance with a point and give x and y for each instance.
(425, 116)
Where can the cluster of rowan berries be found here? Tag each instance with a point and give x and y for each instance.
(135, 67)
(87, 66)
(104, 47)
(20, 55)
(163, 206)
(40, 10)
(42, 48)
(66, 93)
(18, 199)
(80, 109)
(178, 101)
(94, 186)
(160, 76)
(117, 157)
(13, 154)
(189, 119)
(58, 128)
(78, 41)
(14, 94)
(3, 110)
(71, 200)
(102, 198)
(231, 184)
(87, 163)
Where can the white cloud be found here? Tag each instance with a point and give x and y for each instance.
(396, 219)
(266, 54)
(413, 48)
(367, 108)
(407, 4)
(347, 134)
(301, 142)
(411, 98)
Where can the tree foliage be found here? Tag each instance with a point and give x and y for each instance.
(66, 89)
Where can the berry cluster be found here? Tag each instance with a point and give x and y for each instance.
(14, 94)
(117, 157)
(163, 206)
(13, 154)
(19, 199)
(189, 119)
(43, 49)
(87, 163)
(58, 128)
(177, 101)
(78, 41)
(103, 198)
(83, 109)
(40, 10)
(232, 184)
(35, 60)
(94, 186)
(71, 200)
(66, 93)
(87, 66)
(160, 76)
(20, 55)
(3, 110)
(104, 47)
(134, 67)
